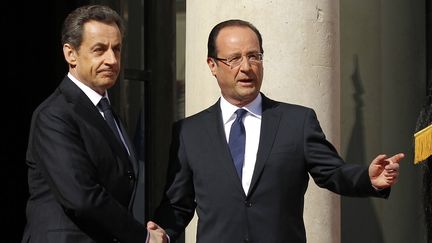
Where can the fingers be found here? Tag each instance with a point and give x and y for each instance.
(396, 158)
(379, 159)
(384, 171)
(152, 225)
(391, 179)
(392, 166)
(383, 160)
(391, 174)
(391, 170)
(157, 234)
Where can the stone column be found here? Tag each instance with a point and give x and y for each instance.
(301, 65)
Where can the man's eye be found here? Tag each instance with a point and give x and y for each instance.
(253, 57)
(235, 59)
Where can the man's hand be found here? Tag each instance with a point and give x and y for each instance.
(157, 234)
(383, 171)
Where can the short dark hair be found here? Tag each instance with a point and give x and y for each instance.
(211, 44)
(73, 26)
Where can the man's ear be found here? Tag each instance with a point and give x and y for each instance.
(69, 54)
(212, 65)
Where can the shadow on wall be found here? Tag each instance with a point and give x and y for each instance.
(359, 221)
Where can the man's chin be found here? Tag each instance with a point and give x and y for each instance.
(108, 82)
(109, 78)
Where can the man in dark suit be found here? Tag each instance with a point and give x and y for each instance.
(259, 197)
(81, 166)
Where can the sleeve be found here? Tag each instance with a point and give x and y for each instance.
(329, 170)
(59, 150)
(178, 204)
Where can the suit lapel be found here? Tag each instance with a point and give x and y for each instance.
(218, 140)
(130, 147)
(269, 126)
(88, 112)
(133, 160)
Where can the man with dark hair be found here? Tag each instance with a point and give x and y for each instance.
(81, 165)
(244, 163)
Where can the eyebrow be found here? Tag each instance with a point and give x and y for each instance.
(235, 54)
(101, 44)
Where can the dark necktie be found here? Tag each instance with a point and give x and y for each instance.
(237, 140)
(109, 117)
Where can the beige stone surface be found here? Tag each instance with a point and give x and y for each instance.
(301, 65)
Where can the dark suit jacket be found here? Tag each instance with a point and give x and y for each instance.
(292, 145)
(81, 178)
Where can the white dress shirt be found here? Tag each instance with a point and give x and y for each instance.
(252, 124)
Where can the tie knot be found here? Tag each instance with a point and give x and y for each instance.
(240, 113)
(104, 104)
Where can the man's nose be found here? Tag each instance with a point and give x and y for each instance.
(111, 57)
(245, 64)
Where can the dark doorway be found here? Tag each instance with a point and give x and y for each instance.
(34, 67)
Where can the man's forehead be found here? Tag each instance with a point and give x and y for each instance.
(237, 37)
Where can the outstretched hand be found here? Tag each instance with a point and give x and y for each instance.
(157, 234)
(384, 171)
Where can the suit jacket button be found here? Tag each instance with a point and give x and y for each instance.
(246, 240)
(248, 204)
(130, 175)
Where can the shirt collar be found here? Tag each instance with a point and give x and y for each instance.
(94, 96)
(254, 108)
